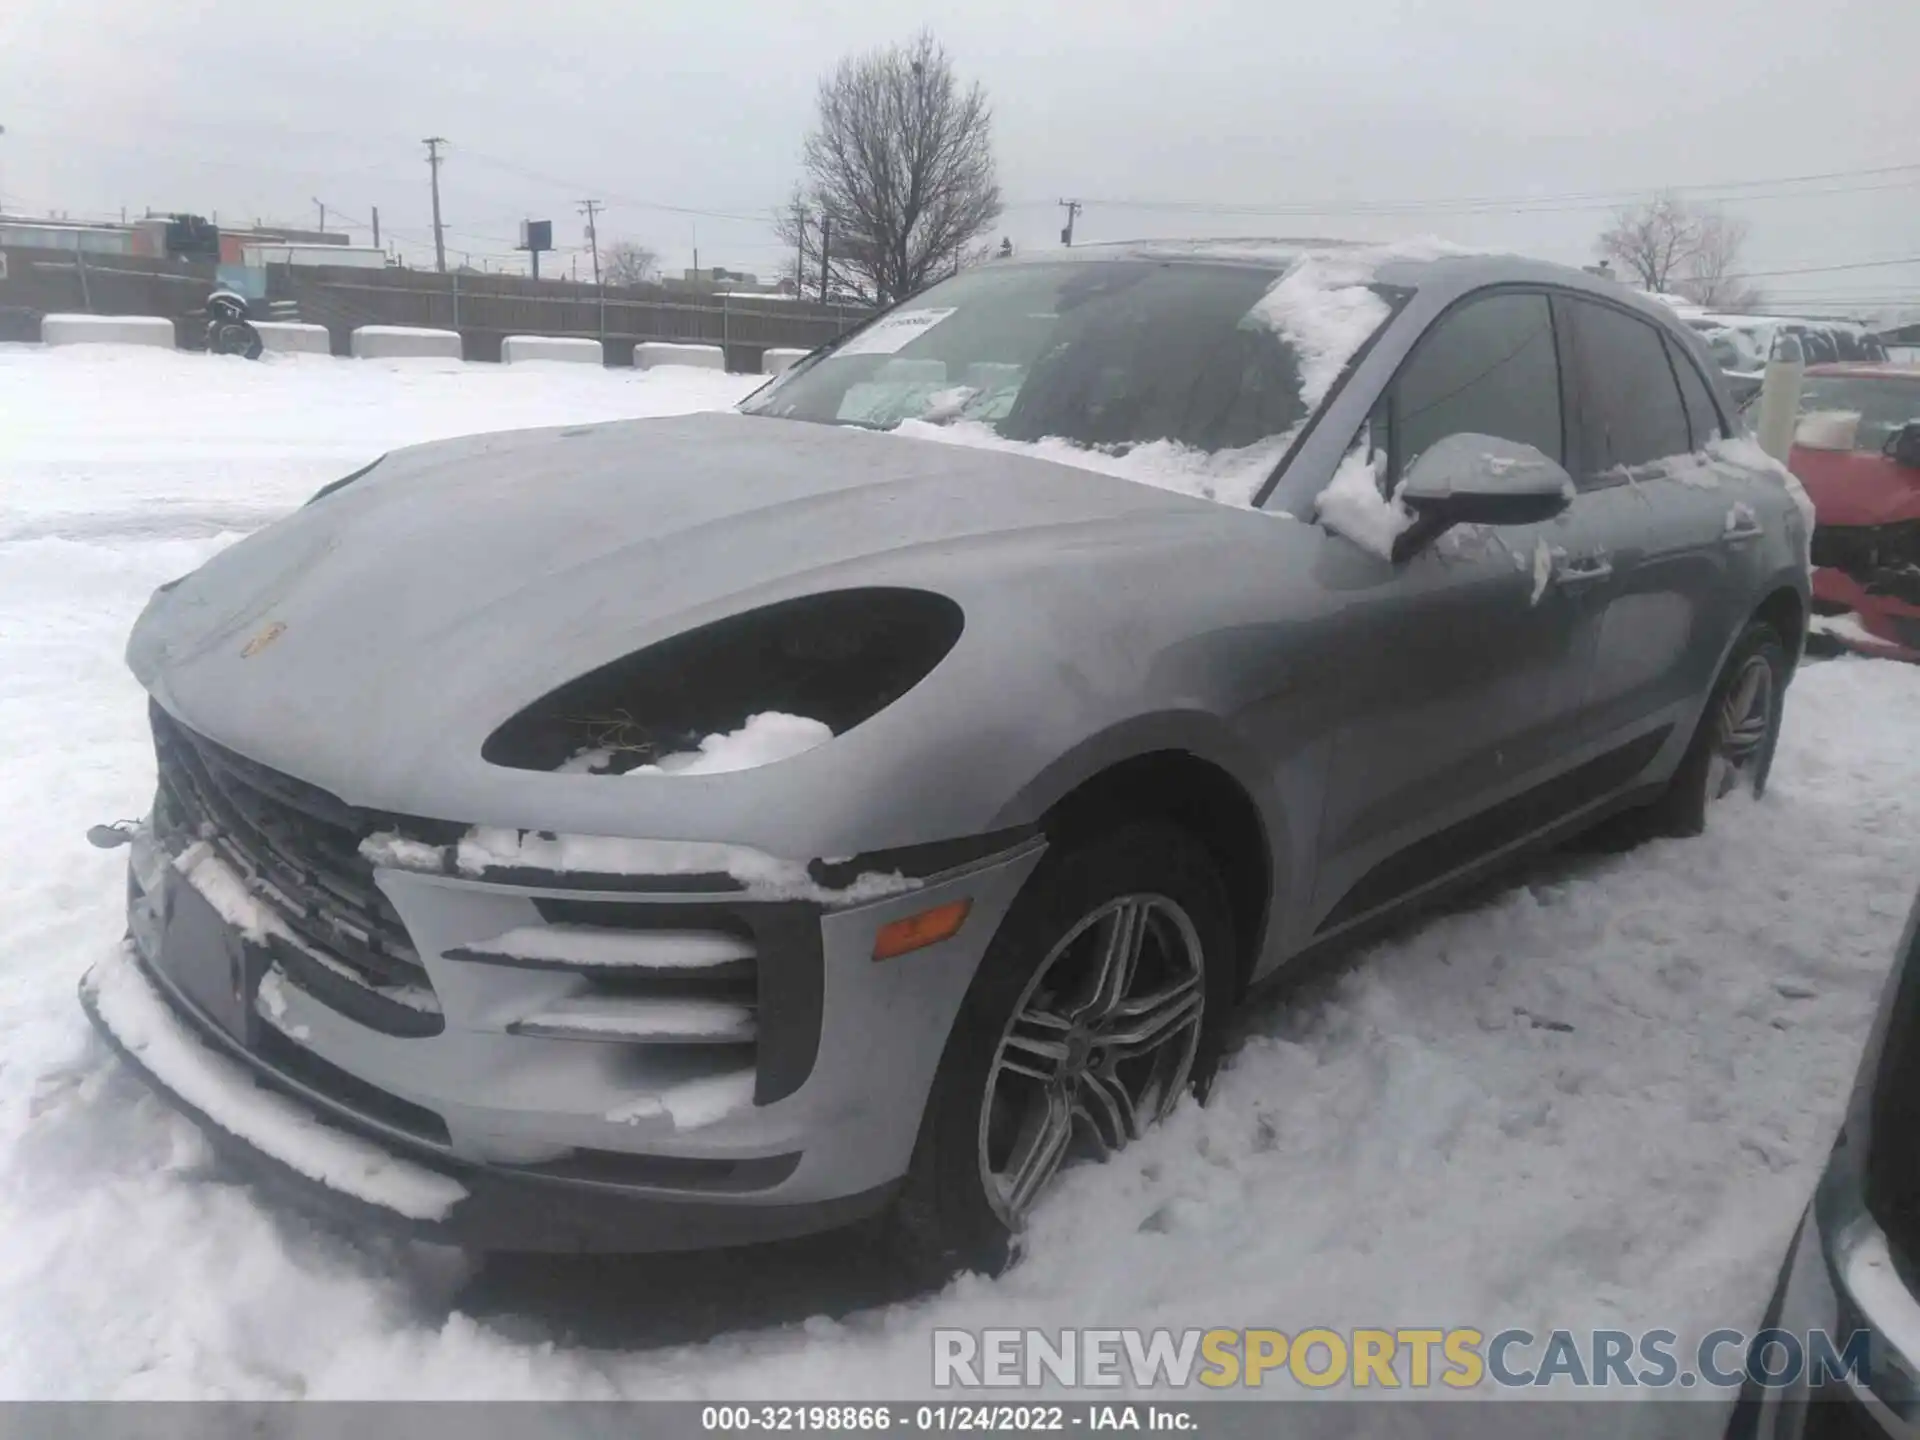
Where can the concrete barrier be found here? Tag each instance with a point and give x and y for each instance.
(779, 360)
(392, 342)
(107, 330)
(283, 337)
(516, 348)
(651, 353)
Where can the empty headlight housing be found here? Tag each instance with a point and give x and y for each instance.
(839, 657)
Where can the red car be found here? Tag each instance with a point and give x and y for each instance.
(1857, 452)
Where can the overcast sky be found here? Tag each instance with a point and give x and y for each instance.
(1379, 113)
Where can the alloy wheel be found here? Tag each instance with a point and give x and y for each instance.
(1741, 730)
(1099, 1047)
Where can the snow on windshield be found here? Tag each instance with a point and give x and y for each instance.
(1323, 305)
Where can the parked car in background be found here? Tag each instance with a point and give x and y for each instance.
(1857, 452)
(692, 831)
(1850, 1267)
(1741, 345)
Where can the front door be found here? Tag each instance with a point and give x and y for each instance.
(1461, 670)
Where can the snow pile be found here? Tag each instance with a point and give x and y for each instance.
(692, 1103)
(153, 330)
(590, 945)
(1354, 506)
(397, 342)
(764, 739)
(219, 1089)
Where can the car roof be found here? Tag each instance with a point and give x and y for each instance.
(1414, 264)
(1879, 369)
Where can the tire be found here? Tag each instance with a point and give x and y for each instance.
(950, 1216)
(237, 337)
(1704, 776)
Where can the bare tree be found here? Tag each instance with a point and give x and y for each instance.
(1672, 248)
(899, 172)
(1713, 277)
(1653, 241)
(627, 263)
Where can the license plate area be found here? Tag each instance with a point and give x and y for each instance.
(212, 966)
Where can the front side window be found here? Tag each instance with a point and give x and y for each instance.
(1485, 368)
(1630, 407)
(1108, 354)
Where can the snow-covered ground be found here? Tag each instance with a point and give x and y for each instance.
(1598, 1095)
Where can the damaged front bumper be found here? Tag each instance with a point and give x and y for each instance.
(558, 1088)
(1870, 573)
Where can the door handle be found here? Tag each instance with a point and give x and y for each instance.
(1572, 574)
(1740, 534)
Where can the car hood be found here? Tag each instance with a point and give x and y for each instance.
(1852, 487)
(372, 640)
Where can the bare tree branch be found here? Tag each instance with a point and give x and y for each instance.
(1713, 277)
(899, 169)
(1669, 247)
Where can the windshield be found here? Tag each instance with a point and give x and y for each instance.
(1883, 404)
(1102, 354)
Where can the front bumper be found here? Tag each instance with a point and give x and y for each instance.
(1884, 626)
(489, 1134)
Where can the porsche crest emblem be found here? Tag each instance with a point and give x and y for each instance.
(265, 638)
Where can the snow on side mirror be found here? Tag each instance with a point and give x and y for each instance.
(1479, 480)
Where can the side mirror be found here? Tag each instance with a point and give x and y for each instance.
(1903, 446)
(1478, 480)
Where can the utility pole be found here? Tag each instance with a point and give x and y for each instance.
(826, 248)
(323, 215)
(1072, 207)
(590, 208)
(800, 245)
(433, 144)
(376, 227)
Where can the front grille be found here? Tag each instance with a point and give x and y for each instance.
(298, 849)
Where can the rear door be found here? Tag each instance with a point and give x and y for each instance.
(1641, 411)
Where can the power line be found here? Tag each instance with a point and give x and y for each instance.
(526, 174)
(1573, 200)
(1827, 269)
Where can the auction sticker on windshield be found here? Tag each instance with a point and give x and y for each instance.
(892, 332)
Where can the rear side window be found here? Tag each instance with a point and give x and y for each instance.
(1703, 420)
(1485, 368)
(1630, 407)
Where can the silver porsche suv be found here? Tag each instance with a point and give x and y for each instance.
(857, 806)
